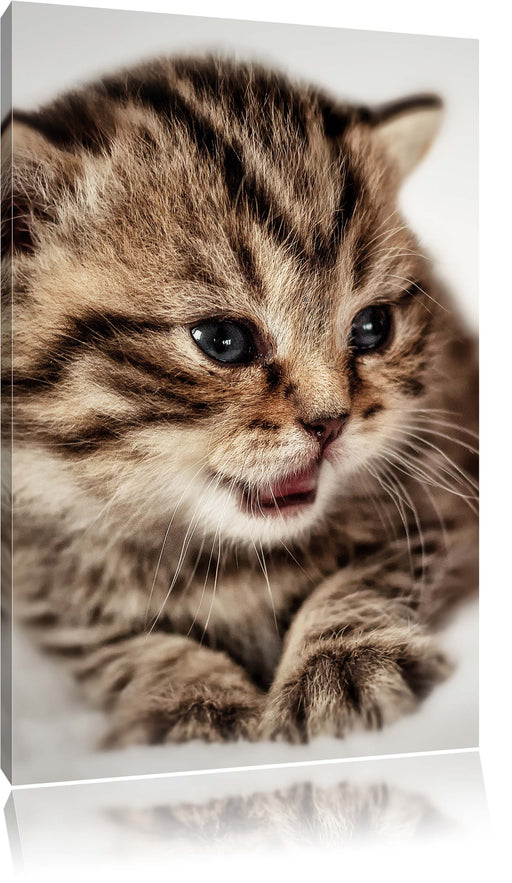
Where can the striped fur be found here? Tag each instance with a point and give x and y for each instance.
(145, 203)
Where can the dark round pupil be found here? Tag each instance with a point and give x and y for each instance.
(224, 341)
(371, 327)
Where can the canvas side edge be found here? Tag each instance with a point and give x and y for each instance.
(6, 462)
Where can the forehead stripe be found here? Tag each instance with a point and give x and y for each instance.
(73, 121)
(326, 247)
(246, 191)
(239, 90)
(243, 187)
(158, 95)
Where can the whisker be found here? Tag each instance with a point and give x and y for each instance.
(445, 457)
(422, 477)
(219, 553)
(392, 493)
(415, 285)
(194, 569)
(292, 556)
(436, 432)
(379, 509)
(219, 556)
(416, 519)
(165, 541)
(185, 546)
(428, 419)
(198, 608)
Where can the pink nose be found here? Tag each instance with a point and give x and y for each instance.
(326, 429)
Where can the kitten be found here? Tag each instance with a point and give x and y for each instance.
(243, 408)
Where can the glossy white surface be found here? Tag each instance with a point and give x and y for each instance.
(360, 811)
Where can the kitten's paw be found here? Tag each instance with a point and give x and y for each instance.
(336, 688)
(211, 718)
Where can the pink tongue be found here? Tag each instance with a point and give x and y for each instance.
(302, 483)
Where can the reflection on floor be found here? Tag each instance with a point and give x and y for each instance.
(178, 819)
(302, 814)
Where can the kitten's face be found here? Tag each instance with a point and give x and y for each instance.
(221, 316)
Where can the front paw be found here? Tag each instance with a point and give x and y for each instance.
(336, 688)
(195, 715)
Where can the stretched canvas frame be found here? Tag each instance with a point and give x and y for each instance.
(448, 719)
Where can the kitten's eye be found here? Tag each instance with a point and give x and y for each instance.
(370, 328)
(225, 341)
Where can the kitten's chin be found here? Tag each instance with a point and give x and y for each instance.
(288, 509)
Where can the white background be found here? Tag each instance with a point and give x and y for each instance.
(487, 24)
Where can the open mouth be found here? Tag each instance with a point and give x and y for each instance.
(287, 496)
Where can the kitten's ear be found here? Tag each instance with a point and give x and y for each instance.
(35, 173)
(407, 128)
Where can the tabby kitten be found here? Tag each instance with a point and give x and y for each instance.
(243, 408)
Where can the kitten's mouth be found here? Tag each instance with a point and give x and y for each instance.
(287, 496)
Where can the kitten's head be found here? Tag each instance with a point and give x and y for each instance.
(219, 314)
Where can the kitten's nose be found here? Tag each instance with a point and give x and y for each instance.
(325, 429)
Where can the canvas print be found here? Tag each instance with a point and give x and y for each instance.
(240, 403)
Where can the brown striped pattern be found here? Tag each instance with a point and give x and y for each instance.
(143, 204)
